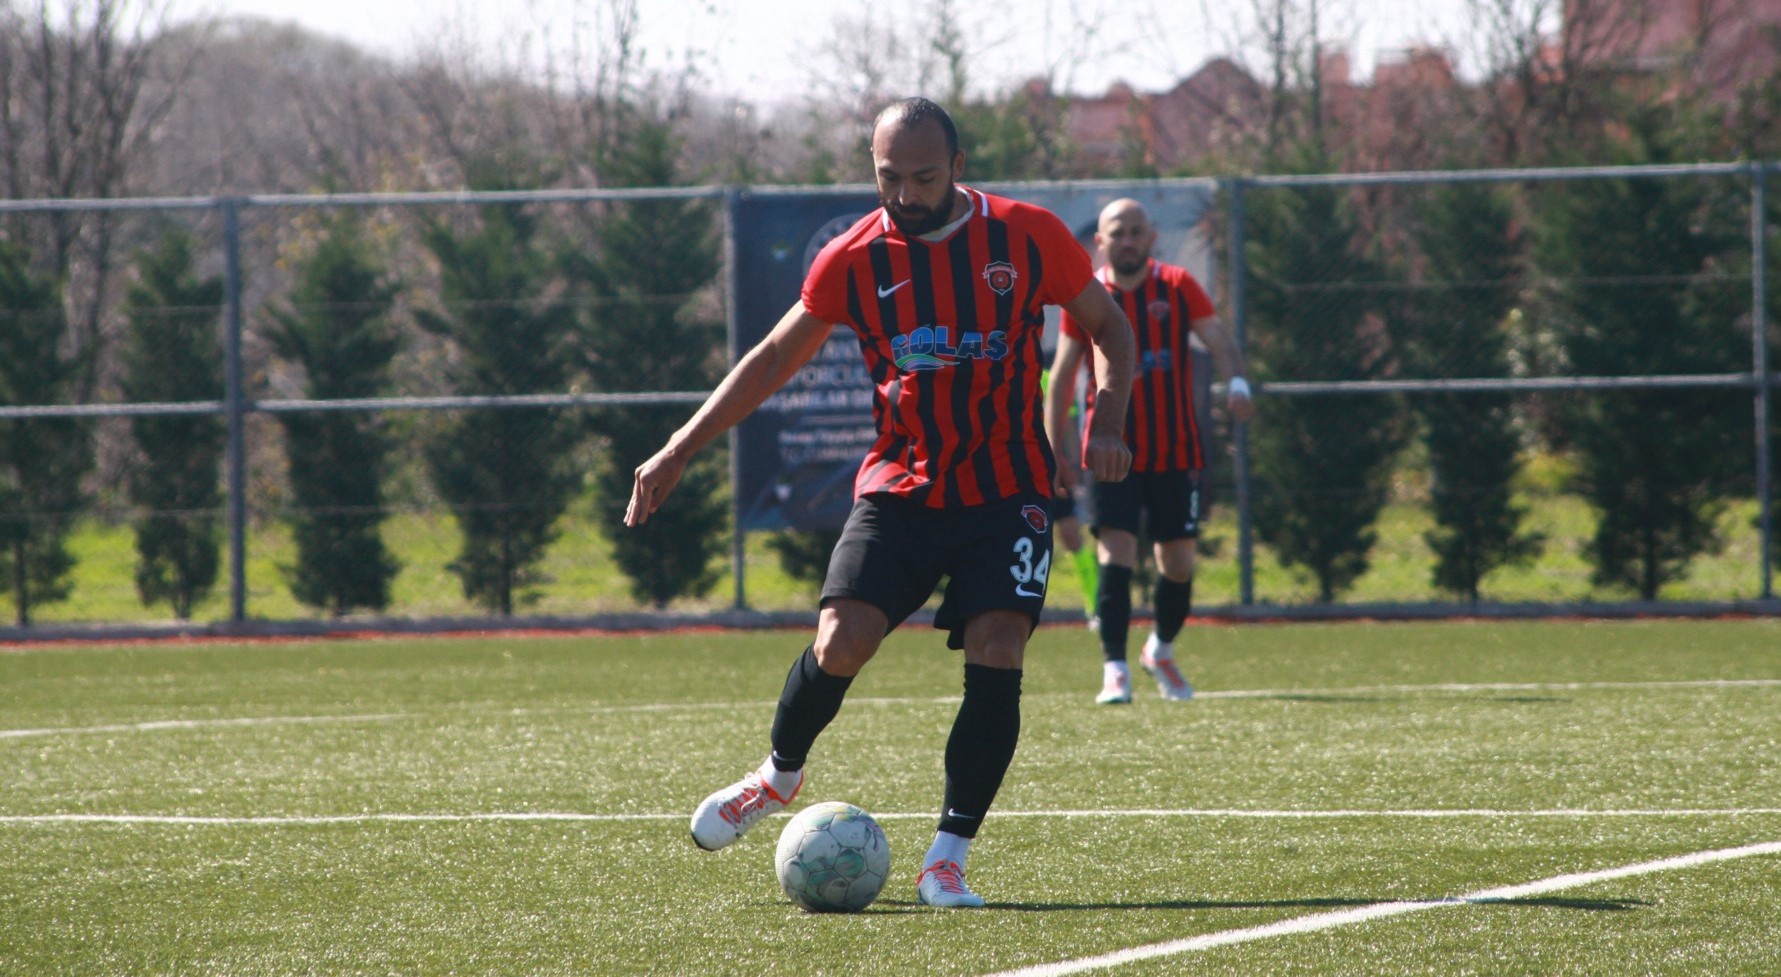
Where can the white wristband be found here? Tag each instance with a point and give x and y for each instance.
(1238, 387)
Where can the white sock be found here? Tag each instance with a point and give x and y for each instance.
(1158, 648)
(1110, 669)
(947, 847)
(782, 782)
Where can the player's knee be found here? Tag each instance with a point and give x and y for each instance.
(997, 639)
(1176, 560)
(847, 636)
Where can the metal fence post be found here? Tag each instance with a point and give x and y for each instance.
(738, 535)
(235, 405)
(1239, 314)
(1759, 301)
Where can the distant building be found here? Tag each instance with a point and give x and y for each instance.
(1721, 46)
(1724, 46)
(1205, 111)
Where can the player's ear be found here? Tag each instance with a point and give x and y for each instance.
(958, 166)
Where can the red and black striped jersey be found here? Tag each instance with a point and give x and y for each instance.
(1160, 428)
(950, 332)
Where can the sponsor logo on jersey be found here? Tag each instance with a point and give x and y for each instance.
(932, 348)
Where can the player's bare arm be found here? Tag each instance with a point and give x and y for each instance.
(1060, 394)
(761, 371)
(1104, 450)
(1230, 362)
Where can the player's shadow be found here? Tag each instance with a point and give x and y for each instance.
(1588, 905)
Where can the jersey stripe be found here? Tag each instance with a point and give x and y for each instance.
(1162, 427)
(950, 333)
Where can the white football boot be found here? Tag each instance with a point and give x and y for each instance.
(1158, 658)
(942, 884)
(1116, 685)
(728, 814)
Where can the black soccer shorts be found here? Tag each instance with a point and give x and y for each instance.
(1168, 503)
(893, 553)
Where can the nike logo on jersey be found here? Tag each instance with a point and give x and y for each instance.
(1020, 590)
(885, 292)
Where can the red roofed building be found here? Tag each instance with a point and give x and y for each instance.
(1723, 46)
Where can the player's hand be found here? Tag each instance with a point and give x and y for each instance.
(1238, 401)
(1107, 456)
(1241, 407)
(1068, 474)
(655, 478)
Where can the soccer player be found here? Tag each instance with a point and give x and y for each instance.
(944, 288)
(1164, 304)
(1066, 522)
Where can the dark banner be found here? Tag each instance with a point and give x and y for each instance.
(798, 453)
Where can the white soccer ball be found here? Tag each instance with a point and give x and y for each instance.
(832, 858)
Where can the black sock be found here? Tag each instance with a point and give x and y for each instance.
(981, 746)
(1113, 605)
(809, 702)
(1174, 602)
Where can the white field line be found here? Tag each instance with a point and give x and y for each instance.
(904, 700)
(6, 734)
(1753, 683)
(571, 816)
(1345, 917)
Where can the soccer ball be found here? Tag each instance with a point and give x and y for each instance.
(832, 858)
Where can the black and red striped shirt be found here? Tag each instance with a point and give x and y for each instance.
(950, 331)
(1161, 428)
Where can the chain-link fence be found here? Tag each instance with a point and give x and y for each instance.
(1506, 386)
(1492, 387)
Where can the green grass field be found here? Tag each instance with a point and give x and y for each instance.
(581, 578)
(513, 805)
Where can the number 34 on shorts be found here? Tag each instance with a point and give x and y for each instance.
(1032, 557)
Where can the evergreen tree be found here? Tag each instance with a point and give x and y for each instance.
(1453, 325)
(1021, 137)
(42, 459)
(506, 472)
(1322, 463)
(172, 354)
(804, 555)
(338, 330)
(1655, 464)
(648, 334)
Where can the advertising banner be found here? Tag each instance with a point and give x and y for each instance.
(800, 450)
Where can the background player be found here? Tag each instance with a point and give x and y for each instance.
(1165, 304)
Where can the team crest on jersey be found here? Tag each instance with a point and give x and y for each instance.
(1159, 311)
(1000, 275)
(1036, 517)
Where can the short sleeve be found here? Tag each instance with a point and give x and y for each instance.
(1068, 269)
(1199, 304)
(825, 286)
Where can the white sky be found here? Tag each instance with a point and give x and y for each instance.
(764, 49)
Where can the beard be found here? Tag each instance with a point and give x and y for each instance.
(918, 220)
(1130, 263)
